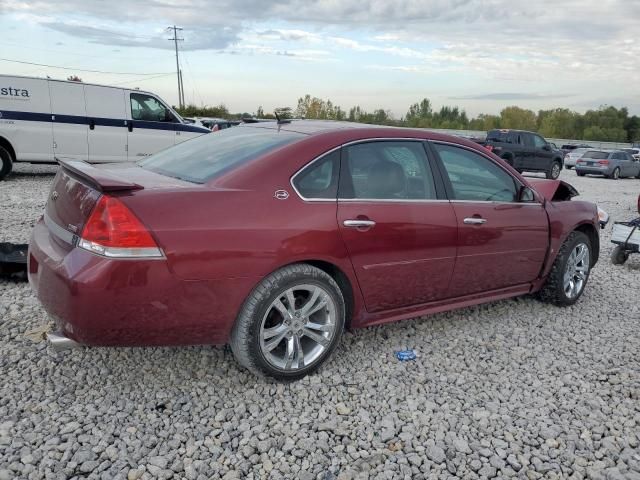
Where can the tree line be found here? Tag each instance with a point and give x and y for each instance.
(606, 123)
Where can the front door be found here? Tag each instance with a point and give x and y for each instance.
(107, 116)
(399, 230)
(501, 242)
(151, 126)
(543, 153)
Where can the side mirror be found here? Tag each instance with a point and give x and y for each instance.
(547, 147)
(526, 195)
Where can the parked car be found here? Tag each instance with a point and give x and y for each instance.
(573, 156)
(276, 237)
(609, 163)
(525, 151)
(43, 119)
(569, 147)
(634, 152)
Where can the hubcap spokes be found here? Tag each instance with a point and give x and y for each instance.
(298, 327)
(576, 271)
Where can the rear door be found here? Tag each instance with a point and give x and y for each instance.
(399, 229)
(151, 128)
(501, 242)
(69, 118)
(107, 117)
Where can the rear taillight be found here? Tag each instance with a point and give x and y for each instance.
(603, 162)
(113, 230)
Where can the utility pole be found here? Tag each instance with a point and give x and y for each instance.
(182, 89)
(175, 39)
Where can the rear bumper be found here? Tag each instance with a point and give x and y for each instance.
(594, 170)
(107, 302)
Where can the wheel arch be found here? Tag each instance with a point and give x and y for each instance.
(594, 238)
(343, 282)
(6, 144)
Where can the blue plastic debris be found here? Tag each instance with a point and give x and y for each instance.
(406, 355)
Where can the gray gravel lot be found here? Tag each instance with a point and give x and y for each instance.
(511, 389)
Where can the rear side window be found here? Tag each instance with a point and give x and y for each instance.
(596, 154)
(503, 137)
(320, 179)
(205, 157)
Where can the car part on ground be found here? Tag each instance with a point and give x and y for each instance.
(13, 260)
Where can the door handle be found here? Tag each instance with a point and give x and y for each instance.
(359, 223)
(92, 124)
(474, 221)
(130, 125)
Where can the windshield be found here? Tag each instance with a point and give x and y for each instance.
(595, 154)
(205, 157)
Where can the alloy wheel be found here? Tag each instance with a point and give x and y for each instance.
(298, 327)
(576, 271)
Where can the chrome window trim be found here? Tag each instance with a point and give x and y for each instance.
(353, 142)
(473, 150)
(393, 200)
(57, 230)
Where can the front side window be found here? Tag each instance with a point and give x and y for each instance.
(148, 108)
(386, 170)
(539, 142)
(474, 177)
(320, 179)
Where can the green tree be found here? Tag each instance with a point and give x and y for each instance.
(518, 118)
(559, 123)
(419, 114)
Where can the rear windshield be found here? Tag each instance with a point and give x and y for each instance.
(594, 154)
(203, 158)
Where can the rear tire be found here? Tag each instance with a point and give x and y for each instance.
(619, 255)
(6, 163)
(615, 175)
(570, 272)
(568, 167)
(277, 337)
(554, 170)
(580, 174)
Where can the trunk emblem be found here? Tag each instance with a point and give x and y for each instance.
(54, 196)
(281, 194)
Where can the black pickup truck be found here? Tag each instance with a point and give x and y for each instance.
(525, 151)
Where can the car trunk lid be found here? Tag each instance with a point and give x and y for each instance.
(78, 186)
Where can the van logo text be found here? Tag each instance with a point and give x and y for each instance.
(14, 92)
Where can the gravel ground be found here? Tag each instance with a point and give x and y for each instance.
(512, 389)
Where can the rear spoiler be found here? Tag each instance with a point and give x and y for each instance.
(102, 180)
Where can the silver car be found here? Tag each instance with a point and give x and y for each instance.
(610, 163)
(572, 156)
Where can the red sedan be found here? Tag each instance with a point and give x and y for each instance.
(276, 237)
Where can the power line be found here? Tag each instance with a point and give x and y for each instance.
(175, 40)
(142, 79)
(78, 69)
(191, 75)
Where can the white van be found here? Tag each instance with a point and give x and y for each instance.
(43, 119)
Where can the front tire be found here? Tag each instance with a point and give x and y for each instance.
(570, 272)
(554, 170)
(619, 255)
(290, 324)
(6, 163)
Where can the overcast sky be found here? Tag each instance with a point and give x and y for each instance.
(482, 55)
